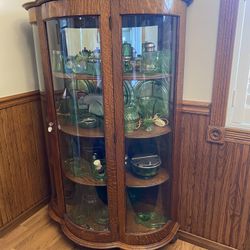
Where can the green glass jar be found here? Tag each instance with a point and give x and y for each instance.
(127, 50)
(131, 118)
(127, 66)
(150, 61)
(94, 66)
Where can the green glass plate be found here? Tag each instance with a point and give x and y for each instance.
(128, 92)
(85, 86)
(153, 98)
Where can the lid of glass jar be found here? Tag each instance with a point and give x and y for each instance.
(149, 46)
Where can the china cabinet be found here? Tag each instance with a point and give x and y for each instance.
(110, 75)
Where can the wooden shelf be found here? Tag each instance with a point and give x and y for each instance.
(135, 228)
(82, 132)
(76, 76)
(85, 180)
(136, 182)
(98, 132)
(143, 76)
(141, 133)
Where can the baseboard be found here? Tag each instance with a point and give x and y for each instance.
(24, 216)
(202, 242)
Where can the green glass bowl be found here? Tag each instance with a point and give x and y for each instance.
(151, 220)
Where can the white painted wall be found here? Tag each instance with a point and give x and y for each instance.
(18, 67)
(17, 61)
(202, 24)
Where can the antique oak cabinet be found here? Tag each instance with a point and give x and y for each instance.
(110, 75)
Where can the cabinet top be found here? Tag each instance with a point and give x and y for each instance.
(36, 3)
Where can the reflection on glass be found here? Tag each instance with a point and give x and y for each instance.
(75, 55)
(148, 59)
(86, 206)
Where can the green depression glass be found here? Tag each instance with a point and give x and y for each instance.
(164, 62)
(89, 121)
(127, 66)
(94, 66)
(77, 166)
(102, 217)
(150, 61)
(151, 220)
(127, 50)
(131, 118)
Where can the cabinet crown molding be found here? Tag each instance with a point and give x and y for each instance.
(36, 3)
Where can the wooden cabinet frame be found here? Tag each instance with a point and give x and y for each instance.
(109, 12)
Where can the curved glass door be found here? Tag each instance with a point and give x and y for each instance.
(148, 59)
(75, 54)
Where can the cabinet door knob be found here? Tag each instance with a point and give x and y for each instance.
(50, 127)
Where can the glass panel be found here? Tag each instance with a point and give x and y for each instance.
(86, 206)
(75, 54)
(148, 54)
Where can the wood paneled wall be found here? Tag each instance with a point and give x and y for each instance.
(214, 185)
(23, 164)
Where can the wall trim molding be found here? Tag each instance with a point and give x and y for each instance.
(237, 135)
(14, 100)
(195, 107)
(223, 62)
(202, 242)
(23, 216)
(216, 134)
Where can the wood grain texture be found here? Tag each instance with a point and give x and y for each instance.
(133, 181)
(223, 61)
(50, 117)
(237, 135)
(152, 7)
(156, 132)
(116, 27)
(40, 232)
(82, 132)
(214, 185)
(32, 15)
(114, 134)
(14, 100)
(109, 114)
(199, 241)
(70, 8)
(85, 180)
(194, 107)
(23, 164)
